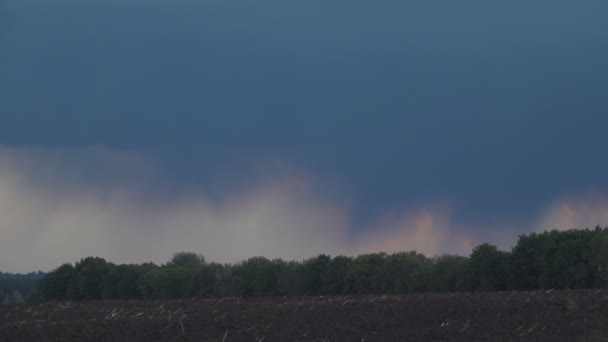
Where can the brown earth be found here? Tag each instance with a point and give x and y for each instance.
(503, 316)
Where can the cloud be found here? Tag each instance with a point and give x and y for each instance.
(427, 230)
(585, 210)
(59, 205)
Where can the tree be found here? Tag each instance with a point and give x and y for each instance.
(17, 286)
(256, 277)
(489, 268)
(450, 274)
(290, 278)
(407, 272)
(145, 280)
(127, 282)
(109, 284)
(568, 257)
(186, 259)
(55, 285)
(205, 279)
(599, 250)
(315, 274)
(365, 274)
(334, 276)
(87, 283)
(528, 261)
(225, 282)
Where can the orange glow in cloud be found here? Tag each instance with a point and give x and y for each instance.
(582, 211)
(424, 230)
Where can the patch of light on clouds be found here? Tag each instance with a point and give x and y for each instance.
(575, 211)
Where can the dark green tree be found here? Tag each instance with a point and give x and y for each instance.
(256, 277)
(450, 273)
(17, 286)
(87, 283)
(528, 261)
(290, 278)
(333, 278)
(205, 280)
(126, 286)
(110, 282)
(55, 285)
(599, 251)
(366, 274)
(568, 259)
(315, 274)
(186, 259)
(489, 268)
(225, 283)
(406, 272)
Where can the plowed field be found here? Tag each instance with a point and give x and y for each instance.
(503, 316)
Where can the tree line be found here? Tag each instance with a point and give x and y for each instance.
(17, 287)
(549, 260)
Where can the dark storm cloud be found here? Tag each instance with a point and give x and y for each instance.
(499, 109)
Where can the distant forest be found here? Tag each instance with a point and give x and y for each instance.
(551, 260)
(18, 287)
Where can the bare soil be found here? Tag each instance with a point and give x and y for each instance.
(500, 316)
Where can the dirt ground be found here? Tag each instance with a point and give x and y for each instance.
(503, 316)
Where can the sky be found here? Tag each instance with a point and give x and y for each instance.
(135, 129)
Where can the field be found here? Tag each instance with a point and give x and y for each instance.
(503, 316)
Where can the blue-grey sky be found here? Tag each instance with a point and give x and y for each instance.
(497, 109)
